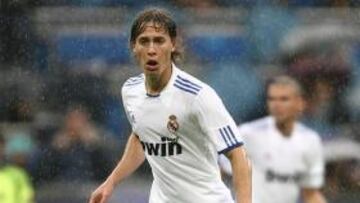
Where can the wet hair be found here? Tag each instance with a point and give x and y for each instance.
(161, 20)
(286, 81)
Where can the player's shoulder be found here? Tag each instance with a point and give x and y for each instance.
(133, 83)
(307, 132)
(190, 85)
(256, 125)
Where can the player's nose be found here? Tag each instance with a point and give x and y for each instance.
(151, 50)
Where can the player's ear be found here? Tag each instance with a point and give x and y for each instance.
(132, 46)
(173, 42)
(301, 105)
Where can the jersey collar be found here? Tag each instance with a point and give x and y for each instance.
(276, 131)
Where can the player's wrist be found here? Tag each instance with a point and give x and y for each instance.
(111, 182)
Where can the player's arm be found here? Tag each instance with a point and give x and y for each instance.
(311, 195)
(132, 158)
(218, 124)
(241, 168)
(314, 177)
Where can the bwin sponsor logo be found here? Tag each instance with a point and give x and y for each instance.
(272, 176)
(167, 147)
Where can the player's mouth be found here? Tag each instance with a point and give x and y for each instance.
(151, 65)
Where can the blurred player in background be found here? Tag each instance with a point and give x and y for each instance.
(179, 125)
(287, 156)
(15, 186)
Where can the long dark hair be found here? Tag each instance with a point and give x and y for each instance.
(161, 19)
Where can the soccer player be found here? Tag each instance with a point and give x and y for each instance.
(286, 156)
(179, 125)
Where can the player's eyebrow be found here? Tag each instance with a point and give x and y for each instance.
(143, 39)
(159, 38)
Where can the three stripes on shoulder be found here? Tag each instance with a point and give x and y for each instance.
(187, 85)
(180, 83)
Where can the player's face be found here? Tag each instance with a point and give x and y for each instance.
(152, 49)
(284, 103)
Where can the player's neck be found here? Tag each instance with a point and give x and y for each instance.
(285, 128)
(156, 83)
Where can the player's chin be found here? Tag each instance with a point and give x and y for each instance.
(280, 118)
(152, 73)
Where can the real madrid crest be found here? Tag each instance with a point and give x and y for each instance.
(173, 127)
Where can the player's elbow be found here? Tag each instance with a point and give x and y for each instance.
(249, 166)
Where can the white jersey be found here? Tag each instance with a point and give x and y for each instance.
(182, 131)
(281, 165)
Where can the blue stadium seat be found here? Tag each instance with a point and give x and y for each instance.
(307, 3)
(77, 47)
(217, 48)
(239, 87)
(115, 118)
(245, 3)
(41, 56)
(354, 90)
(355, 60)
(249, 3)
(356, 51)
(136, 4)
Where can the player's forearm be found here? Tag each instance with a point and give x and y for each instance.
(313, 196)
(241, 175)
(132, 158)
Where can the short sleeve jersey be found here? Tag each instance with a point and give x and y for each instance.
(182, 130)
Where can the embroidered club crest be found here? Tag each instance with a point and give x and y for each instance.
(173, 126)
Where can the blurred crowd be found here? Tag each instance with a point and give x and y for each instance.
(188, 3)
(61, 115)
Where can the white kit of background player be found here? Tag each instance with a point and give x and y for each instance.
(183, 139)
(287, 156)
(281, 165)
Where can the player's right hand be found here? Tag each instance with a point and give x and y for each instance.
(102, 193)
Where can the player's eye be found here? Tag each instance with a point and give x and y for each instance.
(159, 40)
(143, 41)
